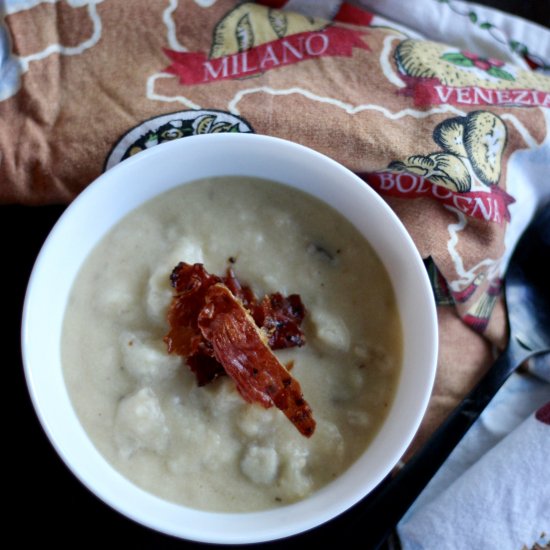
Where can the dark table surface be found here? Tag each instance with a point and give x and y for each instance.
(46, 503)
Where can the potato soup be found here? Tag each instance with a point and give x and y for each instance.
(205, 446)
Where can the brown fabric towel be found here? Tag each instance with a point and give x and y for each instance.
(430, 127)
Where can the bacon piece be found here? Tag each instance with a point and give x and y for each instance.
(190, 283)
(241, 347)
(278, 315)
(205, 367)
(243, 292)
(281, 317)
(215, 323)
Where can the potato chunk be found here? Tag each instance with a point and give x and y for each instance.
(140, 424)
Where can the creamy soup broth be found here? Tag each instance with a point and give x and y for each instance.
(205, 447)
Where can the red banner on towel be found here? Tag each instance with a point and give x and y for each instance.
(430, 91)
(491, 205)
(197, 68)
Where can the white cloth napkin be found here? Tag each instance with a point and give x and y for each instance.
(494, 490)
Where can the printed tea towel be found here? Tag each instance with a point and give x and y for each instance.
(443, 107)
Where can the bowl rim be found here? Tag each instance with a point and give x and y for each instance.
(212, 527)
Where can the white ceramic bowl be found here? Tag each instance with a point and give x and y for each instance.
(128, 185)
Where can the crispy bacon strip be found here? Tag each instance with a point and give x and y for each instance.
(278, 315)
(241, 347)
(281, 318)
(243, 292)
(205, 367)
(190, 283)
(220, 327)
